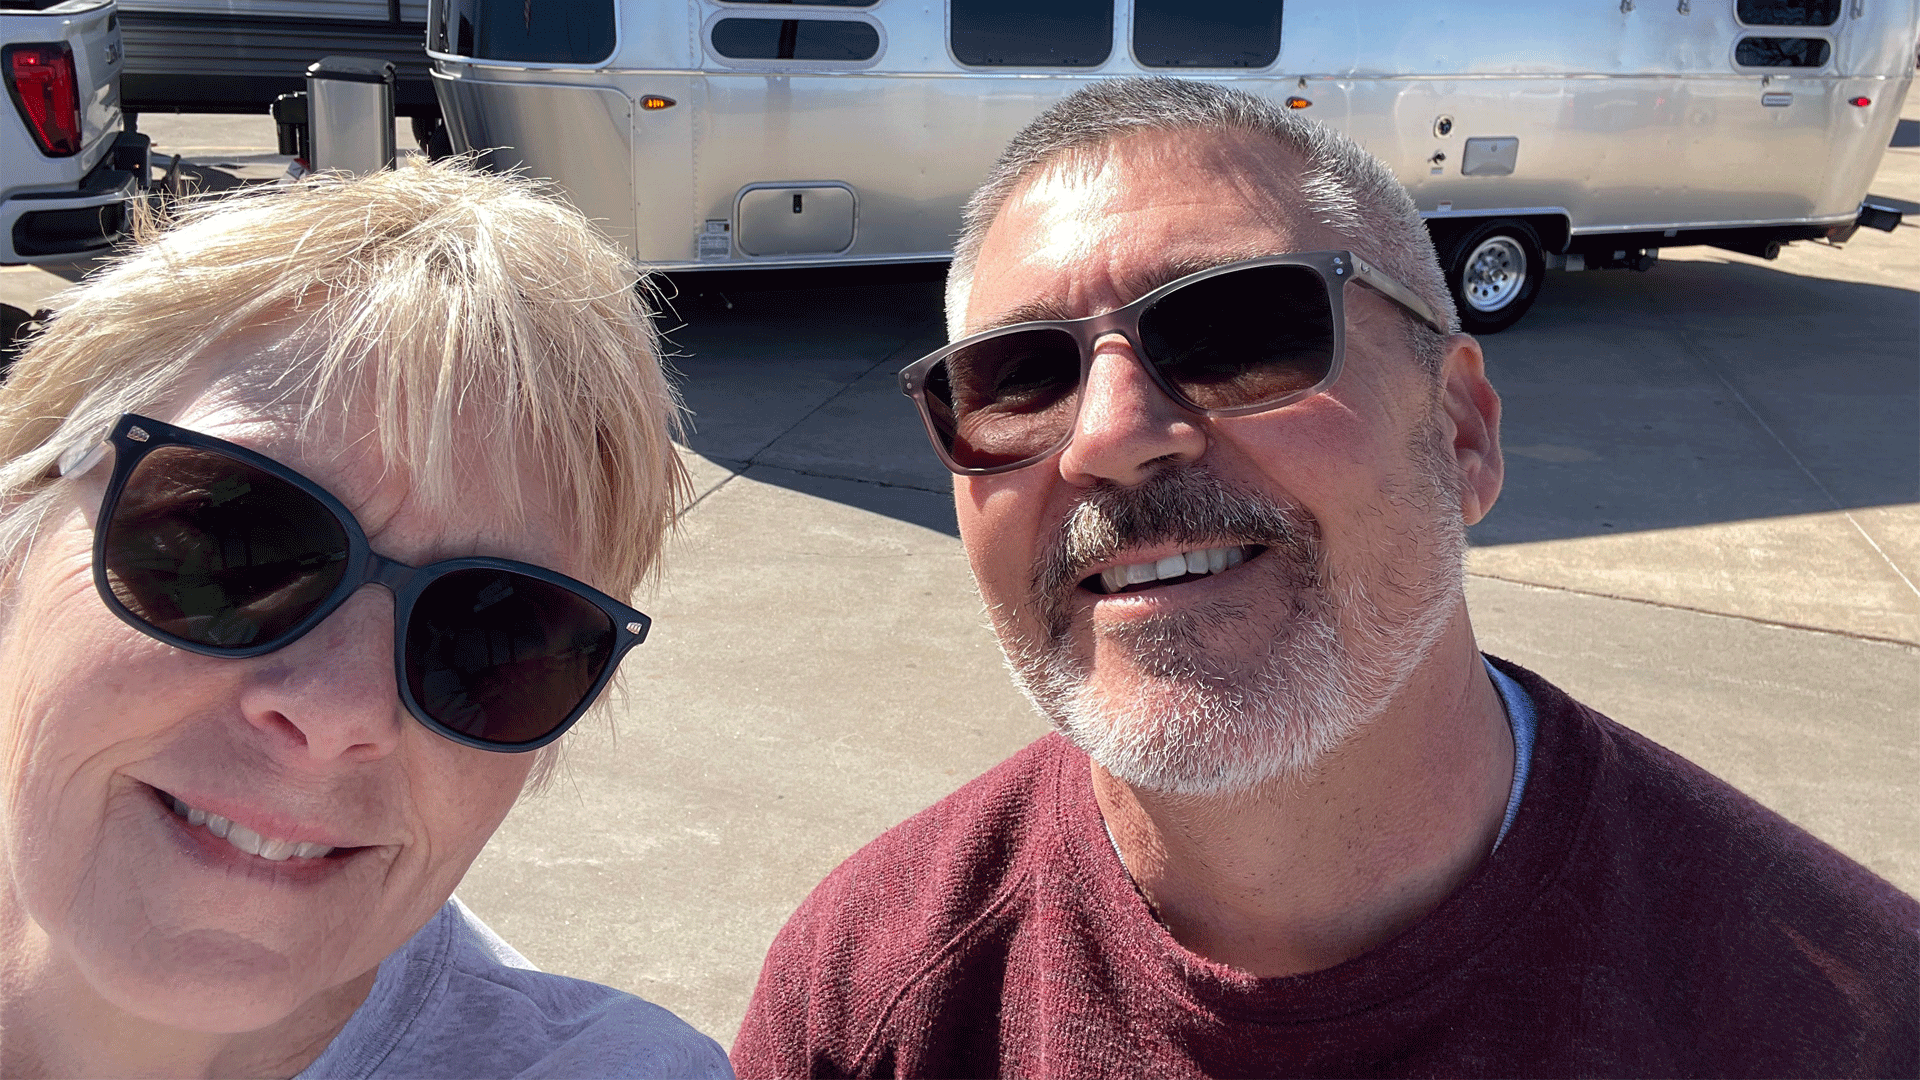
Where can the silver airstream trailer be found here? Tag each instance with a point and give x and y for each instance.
(1534, 134)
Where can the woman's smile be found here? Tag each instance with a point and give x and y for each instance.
(272, 849)
(226, 844)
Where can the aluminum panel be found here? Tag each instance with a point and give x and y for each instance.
(1489, 157)
(799, 219)
(580, 137)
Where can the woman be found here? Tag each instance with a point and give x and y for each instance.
(240, 784)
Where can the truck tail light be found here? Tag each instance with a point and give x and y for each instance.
(42, 84)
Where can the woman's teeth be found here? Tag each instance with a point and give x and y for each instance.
(1209, 561)
(246, 839)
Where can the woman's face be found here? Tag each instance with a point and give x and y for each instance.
(103, 728)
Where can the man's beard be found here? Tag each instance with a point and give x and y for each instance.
(1194, 720)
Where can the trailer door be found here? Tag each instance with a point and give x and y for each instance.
(1766, 142)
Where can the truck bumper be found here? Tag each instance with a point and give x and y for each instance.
(66, 226)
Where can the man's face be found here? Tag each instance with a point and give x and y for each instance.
(1337, 520)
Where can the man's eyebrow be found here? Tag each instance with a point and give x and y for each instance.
(1142, 282)
(1031, 311)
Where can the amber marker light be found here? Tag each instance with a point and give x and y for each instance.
(1298, 103)
(655, 102)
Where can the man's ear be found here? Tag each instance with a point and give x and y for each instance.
(1472, 409)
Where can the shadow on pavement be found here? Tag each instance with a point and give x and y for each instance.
(798, 383)
(1703, 392)
(1695, 393)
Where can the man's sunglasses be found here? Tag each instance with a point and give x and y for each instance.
(221, 551)
(1227, 341)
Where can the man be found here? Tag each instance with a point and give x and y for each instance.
(1214, 494)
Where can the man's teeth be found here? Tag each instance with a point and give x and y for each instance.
(246, 839)
(1210, 561)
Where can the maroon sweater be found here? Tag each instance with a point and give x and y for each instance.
(1642, 918)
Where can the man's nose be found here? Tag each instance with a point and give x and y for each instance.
(331, 695)
(1127, 427)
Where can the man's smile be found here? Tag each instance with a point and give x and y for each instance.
(1174, 569)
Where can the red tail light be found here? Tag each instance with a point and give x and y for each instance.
(41, 81)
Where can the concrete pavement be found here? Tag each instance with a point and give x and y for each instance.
(1711, 531)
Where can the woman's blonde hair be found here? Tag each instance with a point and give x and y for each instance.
(472, 314)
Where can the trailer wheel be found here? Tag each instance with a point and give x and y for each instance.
(430, 132)
(1494, 270)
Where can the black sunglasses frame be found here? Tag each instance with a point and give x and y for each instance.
(1335, 269)
(134, 437)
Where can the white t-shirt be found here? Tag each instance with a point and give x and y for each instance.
(457, 1001)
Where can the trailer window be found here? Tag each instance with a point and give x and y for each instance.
(535, 31)
(1796, 52)
(1046, 33)
(795, 39)
(1181, 33)
(1789, 12)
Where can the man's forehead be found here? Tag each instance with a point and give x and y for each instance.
(1132, 282)
(1133, 215)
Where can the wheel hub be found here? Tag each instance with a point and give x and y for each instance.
(1495, 271)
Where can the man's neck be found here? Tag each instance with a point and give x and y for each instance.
(1309, 875)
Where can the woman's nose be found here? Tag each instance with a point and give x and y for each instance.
(1127, 426)
(331, 695)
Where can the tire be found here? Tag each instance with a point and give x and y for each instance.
(1494, 269)
(430, 133)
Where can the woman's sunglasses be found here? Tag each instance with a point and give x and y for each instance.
(221, 551)
(1227, 341)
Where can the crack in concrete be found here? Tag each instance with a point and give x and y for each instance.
(1699, 355)
(753, 459)
(1853, 635)
(914, 335)
(852, 479)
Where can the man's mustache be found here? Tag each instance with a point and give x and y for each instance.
(1188, 506)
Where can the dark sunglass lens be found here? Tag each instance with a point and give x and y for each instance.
(217, 552)
(503, 657)
(1245, 338)
(1007, 398)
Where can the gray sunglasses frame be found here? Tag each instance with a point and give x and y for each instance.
(1335, 268)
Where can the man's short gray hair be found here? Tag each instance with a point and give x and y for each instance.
(1341, 185)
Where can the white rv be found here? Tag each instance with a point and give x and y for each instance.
(1533, 133)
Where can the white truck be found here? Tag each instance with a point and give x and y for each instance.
(67, 167)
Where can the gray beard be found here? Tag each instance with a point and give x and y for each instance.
(1194, 722)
